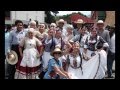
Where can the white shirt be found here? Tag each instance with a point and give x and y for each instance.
(112, 43)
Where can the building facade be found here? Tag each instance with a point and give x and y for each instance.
(25, 16)
(110, 18)
(107, 16)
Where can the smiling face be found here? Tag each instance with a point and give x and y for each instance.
(60, 24)
(33, 25)
(19, 26)
(94, 32)
(30, 34)
(41, 28)
(69, 30)
(50, 32)
(100, 26)
(76, 47)
(57, 55)
(58, 34)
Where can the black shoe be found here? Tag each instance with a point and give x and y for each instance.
(110, 77)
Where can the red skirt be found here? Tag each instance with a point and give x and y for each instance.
(26, 72)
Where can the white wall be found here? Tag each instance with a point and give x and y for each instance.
(27, 15)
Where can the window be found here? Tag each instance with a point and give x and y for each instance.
(101, 15)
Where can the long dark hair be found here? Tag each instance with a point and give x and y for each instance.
(112, 31)
(68, 61)
(8, 28)
(81, 62)
(83, 26)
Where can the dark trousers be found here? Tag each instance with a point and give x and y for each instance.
(110, 59)
(6, 70)
(11, 71)
(11, 68)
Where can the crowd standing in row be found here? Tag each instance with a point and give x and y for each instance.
(57, 52)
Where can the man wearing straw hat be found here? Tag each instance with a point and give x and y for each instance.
(61, 24)
(79, 23)
(102, 32)
(55, 70)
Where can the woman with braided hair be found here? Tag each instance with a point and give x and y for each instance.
(74, 61)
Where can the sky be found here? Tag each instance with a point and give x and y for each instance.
(69, 12)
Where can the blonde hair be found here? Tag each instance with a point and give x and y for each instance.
(32, 22)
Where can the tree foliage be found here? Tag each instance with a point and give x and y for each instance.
(49, 17)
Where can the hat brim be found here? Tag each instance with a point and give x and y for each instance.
(100, 23)
(12, 62)
(79, 22)
(61, 22)
(52, 53)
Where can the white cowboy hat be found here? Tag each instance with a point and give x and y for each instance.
(13, 59)
(53, 24)
(56, 50)
(100, 22)
(61, 21)
(80, 21)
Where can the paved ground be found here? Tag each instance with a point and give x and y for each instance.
(106, 75)
(113, 72)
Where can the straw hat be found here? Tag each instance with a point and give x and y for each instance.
(53, 24)
(100, 22)
(56, 50)
(80, 21)
(61, 21)
(13, 59)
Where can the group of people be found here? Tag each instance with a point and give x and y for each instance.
(59, 52)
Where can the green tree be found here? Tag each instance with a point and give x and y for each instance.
(55, 12)
(49, 17)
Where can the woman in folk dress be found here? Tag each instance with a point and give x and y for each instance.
(49, 45)
(69, 34)
(74, 61)
(28, 67)
(81, 37)
(95, 57)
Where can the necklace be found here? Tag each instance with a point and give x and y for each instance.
(75, 60)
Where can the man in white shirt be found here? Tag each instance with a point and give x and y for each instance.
(15, 38)
(111, 53)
